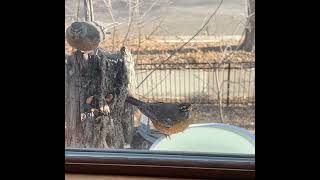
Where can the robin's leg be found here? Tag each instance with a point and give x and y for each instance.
(167, 136)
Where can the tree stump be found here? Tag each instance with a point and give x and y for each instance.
(96, 113)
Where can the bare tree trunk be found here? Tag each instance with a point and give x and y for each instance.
(91, 10)
(219, 94)
(138, 23)
(130, 19)
(78, 11)
(103, 122)
(113, 20)
(248, 43)
(88, 10)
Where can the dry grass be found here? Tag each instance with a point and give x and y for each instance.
(239, 116)
(153, 50)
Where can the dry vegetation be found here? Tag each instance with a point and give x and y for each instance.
(154, 50)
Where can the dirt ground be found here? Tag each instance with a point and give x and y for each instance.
(238, 116)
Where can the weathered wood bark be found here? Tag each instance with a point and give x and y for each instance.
(99, 76)
(248, 43)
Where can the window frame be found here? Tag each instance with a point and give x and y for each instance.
(160, 164)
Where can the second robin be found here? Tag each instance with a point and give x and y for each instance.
(86, 36)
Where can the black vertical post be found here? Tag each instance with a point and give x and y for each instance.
(228, 88)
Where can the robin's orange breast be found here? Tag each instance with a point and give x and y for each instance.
(83, 44)
(176, 128)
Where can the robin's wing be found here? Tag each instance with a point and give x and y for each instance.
(155, 115)
(166, 113)
(147, 112)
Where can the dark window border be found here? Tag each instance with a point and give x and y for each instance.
(160, 164)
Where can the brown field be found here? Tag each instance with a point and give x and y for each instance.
(153, 50)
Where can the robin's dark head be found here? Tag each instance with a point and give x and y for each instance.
(77, 29)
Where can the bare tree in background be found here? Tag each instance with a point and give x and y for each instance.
(110, 10)
(130, 17)
(88, 10)
(248, 43)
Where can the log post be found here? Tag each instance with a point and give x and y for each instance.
(97, 115)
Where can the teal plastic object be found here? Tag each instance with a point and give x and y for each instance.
(209, 138)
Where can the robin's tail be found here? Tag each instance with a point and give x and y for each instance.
(134, 101)
(142, 106)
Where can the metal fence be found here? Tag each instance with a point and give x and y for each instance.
(201, 83)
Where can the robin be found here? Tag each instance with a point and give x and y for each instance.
(168, 118)
(86, 36)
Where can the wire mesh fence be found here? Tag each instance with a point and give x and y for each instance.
(199, 83)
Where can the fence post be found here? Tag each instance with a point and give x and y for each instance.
(228, 88)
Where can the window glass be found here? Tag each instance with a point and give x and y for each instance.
(184, 81)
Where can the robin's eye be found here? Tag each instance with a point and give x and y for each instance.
(76, 31)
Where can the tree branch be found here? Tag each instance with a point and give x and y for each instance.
(198, 32)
